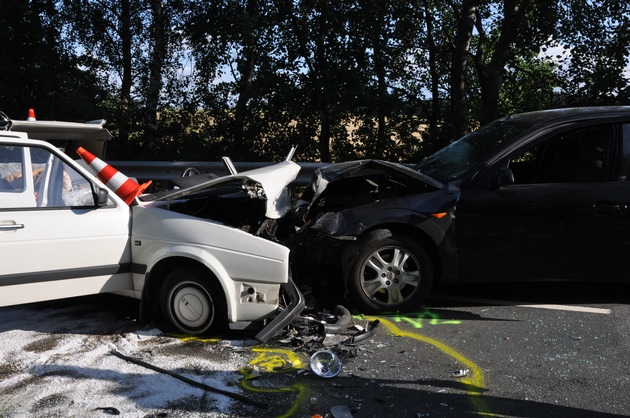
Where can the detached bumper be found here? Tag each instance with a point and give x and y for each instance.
(284, 318)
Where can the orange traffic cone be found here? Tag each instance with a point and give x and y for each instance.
(124, 187)
(31, 115)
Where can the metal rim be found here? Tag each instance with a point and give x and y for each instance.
(391, 275)
(191, 306)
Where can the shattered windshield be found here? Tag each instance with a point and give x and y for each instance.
(453, 160)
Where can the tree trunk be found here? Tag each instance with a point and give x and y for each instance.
(465, 25)
(321, 66)
(491, 76)
(317, 70)
(246, 67)
(434, 113)
(126, 82)
(155, 73)
(379, 67)
(324, 137)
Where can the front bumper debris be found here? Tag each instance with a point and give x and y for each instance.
(284, 318)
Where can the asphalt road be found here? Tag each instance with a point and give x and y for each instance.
(549, 350)
(543, 350)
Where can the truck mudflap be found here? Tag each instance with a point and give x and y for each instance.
(284, 318)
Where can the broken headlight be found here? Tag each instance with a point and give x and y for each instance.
(330, 223)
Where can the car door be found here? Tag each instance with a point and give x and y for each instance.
(565, 217)
(55, 240)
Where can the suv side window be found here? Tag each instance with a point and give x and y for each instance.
(34, 177)
(583, 155)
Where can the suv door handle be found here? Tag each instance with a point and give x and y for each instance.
(11, 227)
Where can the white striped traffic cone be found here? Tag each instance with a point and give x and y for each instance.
(124, 187)
(31, 115)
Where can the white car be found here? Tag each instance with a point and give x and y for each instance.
(63, 233)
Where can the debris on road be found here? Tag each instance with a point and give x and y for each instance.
(340, 411)
(460, 373)
(324, 331)
(108, 410)
(325, 363)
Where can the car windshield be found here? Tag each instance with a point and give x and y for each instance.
(455, 159)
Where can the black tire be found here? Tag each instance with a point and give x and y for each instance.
(389, 273)
(193, 302)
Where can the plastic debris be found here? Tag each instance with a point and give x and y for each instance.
(321, 330)
(148, 333)
(340, 411)
(325, 363)
(108, 410)
(460, 373)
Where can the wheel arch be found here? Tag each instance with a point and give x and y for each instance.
(154, 280)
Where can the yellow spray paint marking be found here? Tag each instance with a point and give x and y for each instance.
(187, 338)
(416, 319)
(474, 381)
(270, 360)
(275, 360)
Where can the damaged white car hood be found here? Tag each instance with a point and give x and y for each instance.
(269, 183)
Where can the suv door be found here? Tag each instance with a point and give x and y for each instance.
(55, 240)
(566, 216)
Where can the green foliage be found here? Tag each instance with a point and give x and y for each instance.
(598, 34)
(37, 71)
(339, 80)
(529, 84)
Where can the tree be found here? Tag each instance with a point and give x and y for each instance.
(597, 34)
(108, 37)
(37, 71)
(384, 44)
(159, 42)
(391, 79)
(461, 50)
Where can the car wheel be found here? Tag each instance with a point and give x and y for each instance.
(191, 302)
(389, 273)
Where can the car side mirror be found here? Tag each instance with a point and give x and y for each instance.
(503, 177)
(103, 197)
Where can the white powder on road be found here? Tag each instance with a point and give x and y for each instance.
(56, 361)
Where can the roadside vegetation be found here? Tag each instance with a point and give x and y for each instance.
(395, 79)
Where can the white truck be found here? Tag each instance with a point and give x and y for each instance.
(63, 233)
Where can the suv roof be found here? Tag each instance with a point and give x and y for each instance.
(567, 114)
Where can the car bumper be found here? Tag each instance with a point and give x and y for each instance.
(284, 318)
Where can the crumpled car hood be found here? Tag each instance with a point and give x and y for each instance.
(268, 183)
(367, 169)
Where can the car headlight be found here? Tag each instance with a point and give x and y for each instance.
(330, 223)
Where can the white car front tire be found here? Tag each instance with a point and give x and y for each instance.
(192, 302)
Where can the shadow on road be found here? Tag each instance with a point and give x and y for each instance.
(540, 293)
(368, 397)
(96, 314)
